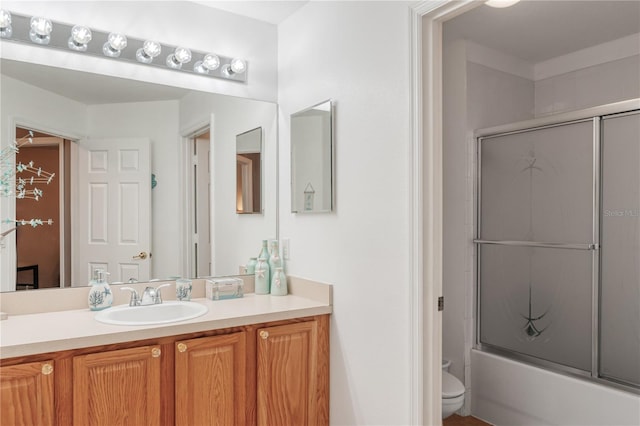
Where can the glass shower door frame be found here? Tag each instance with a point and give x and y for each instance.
(592, 246)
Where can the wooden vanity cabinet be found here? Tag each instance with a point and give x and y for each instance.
(264, 374)
(292, 374)
(27, 394)
(211, 380)
(120, 387)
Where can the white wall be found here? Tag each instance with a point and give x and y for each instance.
(589, 87)
(30, 106)
(237, 236)
(356, 53)
(157, 121)
(172, 22)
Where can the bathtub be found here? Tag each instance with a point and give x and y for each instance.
(509, 393)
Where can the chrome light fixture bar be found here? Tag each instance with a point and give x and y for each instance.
(43, 32)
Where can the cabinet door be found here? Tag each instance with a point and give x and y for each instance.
(292, 375)
(120, 387)
(210, 380)
(26, 394)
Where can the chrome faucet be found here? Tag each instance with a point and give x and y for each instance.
(150, 296)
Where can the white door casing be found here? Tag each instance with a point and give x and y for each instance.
(114, 209)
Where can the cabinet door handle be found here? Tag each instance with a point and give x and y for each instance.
(264, 334)
(47, 369)
(156, 352)
(182, 347)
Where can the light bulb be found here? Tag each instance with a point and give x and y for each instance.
(180, 56)
(80, 37)
(210, 62)
(5, 23)
(40, 30)
(114, 45)
(501, 3)
(148, 51)
(5, 18)
(237, 66)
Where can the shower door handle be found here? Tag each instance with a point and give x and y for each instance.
(540, 244)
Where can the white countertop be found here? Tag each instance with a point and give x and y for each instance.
(30, 334)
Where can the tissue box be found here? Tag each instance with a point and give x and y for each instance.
(224, 288)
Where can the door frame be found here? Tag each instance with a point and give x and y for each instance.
(186, 215)
(426, 212)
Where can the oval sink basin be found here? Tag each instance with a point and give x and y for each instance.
(163, 313)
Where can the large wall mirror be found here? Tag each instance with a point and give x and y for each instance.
(312, 159)
(127, 156)
(249, 172)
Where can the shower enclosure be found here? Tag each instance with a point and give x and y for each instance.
(558, 243)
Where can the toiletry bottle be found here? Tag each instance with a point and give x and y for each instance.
(251, 265)
(275, 261)
(100, 296)
(262, 277)
(264, 252)
(278, 283)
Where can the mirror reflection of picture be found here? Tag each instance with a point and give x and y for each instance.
(312, 159)
(309, 192)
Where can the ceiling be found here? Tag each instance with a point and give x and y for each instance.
(269, 11)
(88, 88)
(538, 30)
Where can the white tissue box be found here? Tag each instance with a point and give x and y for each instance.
(224, 288)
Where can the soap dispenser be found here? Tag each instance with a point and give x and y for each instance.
(100, 296)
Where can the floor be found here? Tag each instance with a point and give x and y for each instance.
(456, 420)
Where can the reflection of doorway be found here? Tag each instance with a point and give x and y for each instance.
(43, 252)
(200, 204)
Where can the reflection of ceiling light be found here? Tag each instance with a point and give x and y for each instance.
(210, 62)
(5, 24)
(237, 66)
(501, 3)
(148, 51)
(180, 56)
(80, 37)
(114, 45)
(40, 30)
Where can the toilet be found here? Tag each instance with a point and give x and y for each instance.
(452, 391)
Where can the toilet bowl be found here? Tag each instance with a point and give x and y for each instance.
(452, 391)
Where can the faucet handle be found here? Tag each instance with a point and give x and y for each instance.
(159, 293)
(135, 298)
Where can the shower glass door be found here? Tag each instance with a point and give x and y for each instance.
(537, 235)
(620, 253)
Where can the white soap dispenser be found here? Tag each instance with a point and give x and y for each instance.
(100, 296)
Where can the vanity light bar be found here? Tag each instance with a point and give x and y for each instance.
(87, 41)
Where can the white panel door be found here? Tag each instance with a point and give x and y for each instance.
(114, 210)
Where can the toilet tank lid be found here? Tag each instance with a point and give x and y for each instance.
(451, 386)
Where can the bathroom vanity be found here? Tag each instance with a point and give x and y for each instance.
(258, 360)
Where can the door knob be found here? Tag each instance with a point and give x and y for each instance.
(141, 256)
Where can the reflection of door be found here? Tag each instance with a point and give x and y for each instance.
(114, 209)
(201, 204)
(244, 187)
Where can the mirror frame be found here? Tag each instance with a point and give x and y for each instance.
(332, 162)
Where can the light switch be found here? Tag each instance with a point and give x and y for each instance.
(286, 249)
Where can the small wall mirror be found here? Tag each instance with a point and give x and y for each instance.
(312, 159)
(249, 171)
